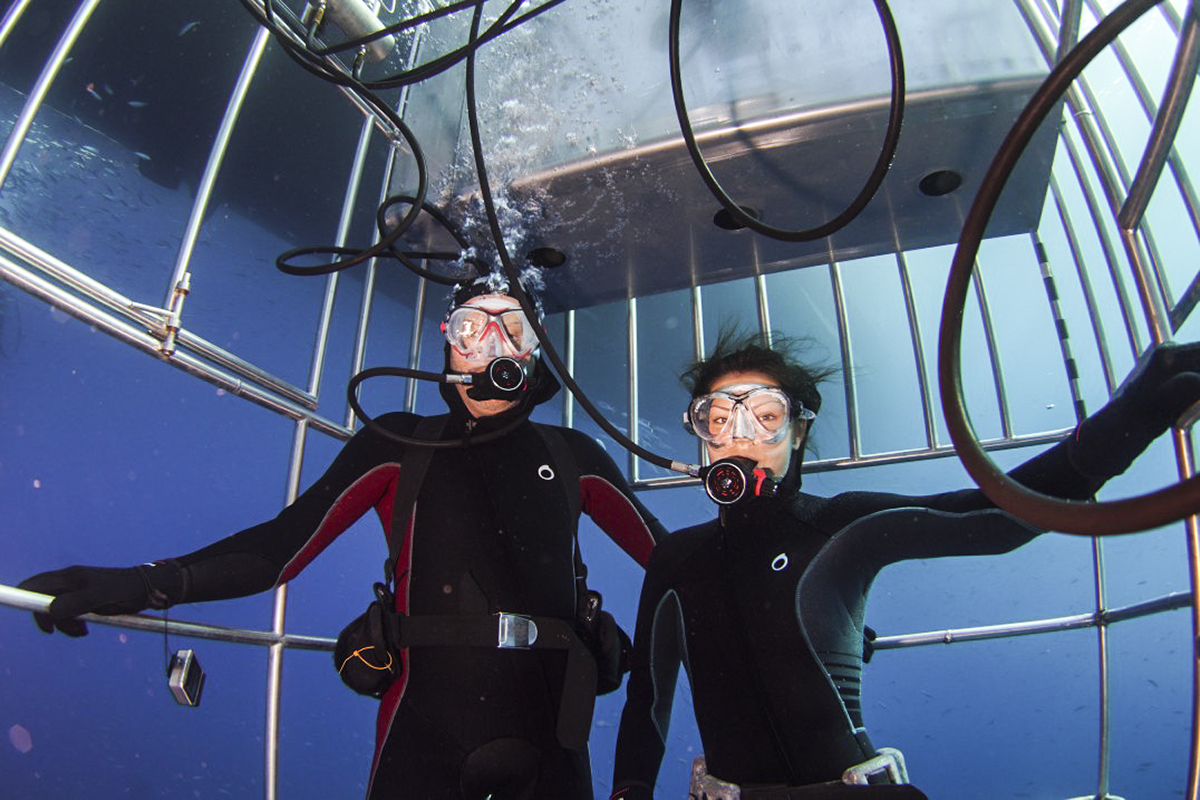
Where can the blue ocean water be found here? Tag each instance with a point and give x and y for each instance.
(109, 457)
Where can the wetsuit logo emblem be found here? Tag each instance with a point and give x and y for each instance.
(780, 563)
(545, 472)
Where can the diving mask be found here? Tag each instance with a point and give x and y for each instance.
(761, 414)
(489, 327)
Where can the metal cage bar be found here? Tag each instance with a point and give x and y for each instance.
(847, 351)
(914, 329)
(37, 94)
(1085, 283)
(31, 601)
(216, 157)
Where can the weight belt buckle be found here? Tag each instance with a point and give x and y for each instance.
(515, 631)
(888, 761)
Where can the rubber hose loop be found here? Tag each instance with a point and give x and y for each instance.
(1162, 507)
(890, 140)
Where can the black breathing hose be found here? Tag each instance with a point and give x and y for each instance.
(517, 291)
(312, 60)
(1092, 519)
(405, 372)
(891, 138)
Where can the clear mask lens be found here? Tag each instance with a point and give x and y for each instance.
(480, 334)
(761, 414)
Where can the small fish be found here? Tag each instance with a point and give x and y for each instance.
(141, 155)
(138, 104)
(108, 90)
(186, 29)
(91, 89)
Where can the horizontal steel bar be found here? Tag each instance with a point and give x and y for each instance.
(878, 459)
(37, 286)
(1165, 603)
(32, 601)
(98, 292)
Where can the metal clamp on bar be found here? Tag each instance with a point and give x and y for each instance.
(888, 761)
(171, 317)
(514, 631)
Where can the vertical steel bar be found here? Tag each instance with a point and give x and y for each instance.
(37, 94)
(1151, 108)
(914, 330)
(631, 328)
(1149, 290)
(368, 292)
(1085, 283)
(1068, 29)
(1103, 757)
(839, 302)
(11, 16)
(1166, 126)
(415, 342)
(760, 295)
(1040, 21)
(764, 309)
(1110, 255)
(1183, 457)
(989, 335)
(568, 410)
(1106, 154)
(1172, 16)
(343, 230)
(1102, 647)
(215, 158)
(278, 625)
(299, 442)
(1060, 324)
(1106, 157)
(698, 351)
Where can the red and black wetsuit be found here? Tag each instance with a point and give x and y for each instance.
(764, 608)
(493, 530)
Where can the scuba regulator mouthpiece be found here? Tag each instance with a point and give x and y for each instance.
(503, 379)
(736, 478)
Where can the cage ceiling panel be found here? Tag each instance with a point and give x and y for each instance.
(789, 103)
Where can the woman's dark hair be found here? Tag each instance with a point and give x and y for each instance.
(740, 351)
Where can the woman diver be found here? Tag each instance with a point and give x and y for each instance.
(764, 605)
(478, 710)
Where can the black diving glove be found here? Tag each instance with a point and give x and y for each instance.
(609, 645)
(611, 648)
(1164, 384)
(103, 590)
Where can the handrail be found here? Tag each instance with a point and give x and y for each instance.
(32, 601)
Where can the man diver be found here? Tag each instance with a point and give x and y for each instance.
(765, 603)
(493, 530)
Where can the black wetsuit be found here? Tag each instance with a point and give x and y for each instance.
(493, 530)
(764, 608)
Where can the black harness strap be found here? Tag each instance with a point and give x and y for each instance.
(413, 466)
(579, 687)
